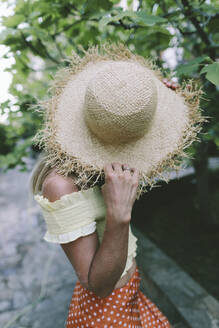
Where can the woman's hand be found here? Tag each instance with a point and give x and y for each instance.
(170, 84)
(119, 191)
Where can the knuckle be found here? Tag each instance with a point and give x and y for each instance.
(135, 184)
(137, 174)
(115, 163)
(110, 176)
(128, 178)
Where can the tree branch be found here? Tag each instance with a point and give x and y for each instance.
(188, 13)
(58, 46)
(24, 64)
(184, 33)
(125, 26)
(67, 27)
(30, 45)
(139, 5)
(47, 53)
(36, 51)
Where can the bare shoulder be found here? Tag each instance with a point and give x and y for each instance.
(55, 186)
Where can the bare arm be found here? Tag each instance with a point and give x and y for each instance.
(110, 259)
(54, 187)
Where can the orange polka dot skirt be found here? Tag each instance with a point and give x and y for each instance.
(124, 307)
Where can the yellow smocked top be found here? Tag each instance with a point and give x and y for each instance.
(79, 214)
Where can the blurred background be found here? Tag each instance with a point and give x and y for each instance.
(181, 217)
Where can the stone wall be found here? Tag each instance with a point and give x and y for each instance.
(180, 298)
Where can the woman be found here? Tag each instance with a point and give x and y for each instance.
(111, 123)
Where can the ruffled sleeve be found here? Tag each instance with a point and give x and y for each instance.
(73, 215)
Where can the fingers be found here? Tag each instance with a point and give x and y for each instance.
(170, 84)
(121, 168)
(111, 168)
(117, 167)
(125, 166)
(125, 171)
(108, 170)
(108, 167)
(135, 178)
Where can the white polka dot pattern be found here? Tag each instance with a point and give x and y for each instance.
(124, 307)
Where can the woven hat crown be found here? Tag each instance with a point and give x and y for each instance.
(120, 102)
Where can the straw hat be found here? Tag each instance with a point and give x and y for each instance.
(112, 106)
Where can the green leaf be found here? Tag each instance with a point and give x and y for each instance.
(158, 29)
(148, 20)
(5, 33)
(107, 19)
(40, 33)
(138, 17)
(100, 15)
(13, 21)
(95, 5)
(209, 9)
(11, 37)
(122, 14)
(215, 37)
(47, 20)
(191, 66)
(104, 21)
(213, 25)
(212, 71)
(115, 1)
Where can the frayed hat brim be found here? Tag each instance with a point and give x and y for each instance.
(179, 122)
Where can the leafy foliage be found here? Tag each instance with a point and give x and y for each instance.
(212, 71)
(41, 34)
